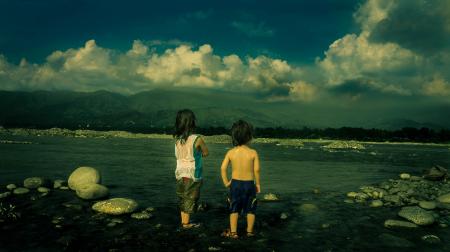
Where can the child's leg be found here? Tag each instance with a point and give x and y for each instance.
(184, 218)
(233, 222)
(250, 222)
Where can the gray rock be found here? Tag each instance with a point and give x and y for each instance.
(21, 190)
(376, 203)
(417, 215)
(405, 176)
(64, 188)
(429, 205)
(149, 209)
(116, 206)
(141, 215)
(444, 198)
(34, 182)
(116, 220)
(270, 197)
(11, 187)
(5, 195)
(284, 216)
(399, 224)
(394, 241)
(431, 239)
(83, 175)
(92, 191)
(58, 183)
(42, 189)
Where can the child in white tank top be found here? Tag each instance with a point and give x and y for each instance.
(189, 151)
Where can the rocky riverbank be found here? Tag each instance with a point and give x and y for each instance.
(417, 201)
(77, 214)
(293, 142)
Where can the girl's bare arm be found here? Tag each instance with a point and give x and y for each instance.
(201, 144)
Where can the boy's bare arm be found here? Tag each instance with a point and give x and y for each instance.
(223, 170)
(256, 169)
(200, 143)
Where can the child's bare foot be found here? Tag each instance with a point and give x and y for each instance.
(229, 234)
(190, 225)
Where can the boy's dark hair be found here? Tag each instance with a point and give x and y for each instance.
(241, 132)
(184, 124)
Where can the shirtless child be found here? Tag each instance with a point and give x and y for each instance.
(245, 177)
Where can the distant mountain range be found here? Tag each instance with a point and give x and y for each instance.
(158, 107)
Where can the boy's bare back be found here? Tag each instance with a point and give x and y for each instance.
(244, 161)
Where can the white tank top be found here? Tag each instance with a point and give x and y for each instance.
(189, 159)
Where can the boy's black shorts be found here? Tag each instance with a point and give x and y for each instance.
(242, 197)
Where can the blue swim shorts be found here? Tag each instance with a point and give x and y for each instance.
(242, 197)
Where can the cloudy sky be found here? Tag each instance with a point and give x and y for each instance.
(393, 54)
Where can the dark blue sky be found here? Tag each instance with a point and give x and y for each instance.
(297, 31)
(362, 55)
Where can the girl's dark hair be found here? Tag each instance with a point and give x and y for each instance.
(184, 124)
(241, 132)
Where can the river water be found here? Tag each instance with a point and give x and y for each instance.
(143, 169)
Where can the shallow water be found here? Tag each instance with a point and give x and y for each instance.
(143, 169)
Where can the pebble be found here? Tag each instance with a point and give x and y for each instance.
(11, 187)
(376, 203)
(142, 215)
(405, 176)
(64, 188)
(399, 224)
(58, 183)
(5, 195)
(111, 224)
(283, 216)
(149, 209)
(325, 225)
(21, 190)
(431, 239)
(270, 196)
(116, 220)
(429, 205)
(34, 182)
(43, 189)
(445, 198)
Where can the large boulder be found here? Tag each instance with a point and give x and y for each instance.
(445, 198)
(116, 206)
(83, 175)
(92, 191)
(34, 182)
(417, 215)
